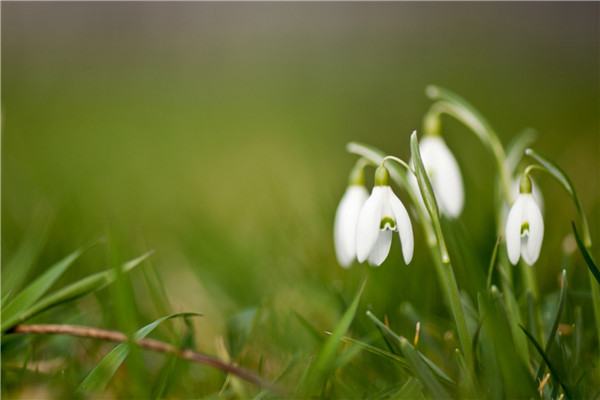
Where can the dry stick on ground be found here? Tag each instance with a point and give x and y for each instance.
(149, 344)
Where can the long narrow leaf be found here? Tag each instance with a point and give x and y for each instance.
(562, 177)
(492, 263)
(515, 150)
(428, 196)
(559, 311)
(441, 374)
(423, 372)
(586, 255)
(80, 288)
(547, 361)
(36, 289)
(377, 351)
(99, 377)
(324, 362)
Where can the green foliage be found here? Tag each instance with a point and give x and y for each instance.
(220, 144)
(99, 377)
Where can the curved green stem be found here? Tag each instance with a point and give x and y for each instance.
(399, 161)
(443, 266)
(455, 106)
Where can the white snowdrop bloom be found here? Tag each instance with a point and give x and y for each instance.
(382, 213)
(535, 192)
(346, 216)
(444, 174)
(524, 227)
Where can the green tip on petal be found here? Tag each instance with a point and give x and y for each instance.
(382, 176)
(524, 228)
(525, 185)
(387, 223)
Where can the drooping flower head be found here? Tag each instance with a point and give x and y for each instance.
(382, 213)
(346, 217)
(524, 226)
(444, 174)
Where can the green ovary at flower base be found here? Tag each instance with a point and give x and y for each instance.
(524, 227)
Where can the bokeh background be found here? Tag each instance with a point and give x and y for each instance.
(215, 133)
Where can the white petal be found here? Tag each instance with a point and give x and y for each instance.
(513, 230)
(535, 191)
(404, 226)
(533, 216)
(444, 174)
(537, 195)
(367, 228)
(346, 218)
(381, 249)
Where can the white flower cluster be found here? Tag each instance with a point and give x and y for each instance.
(364, 224)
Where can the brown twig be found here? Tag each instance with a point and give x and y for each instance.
(145, 343)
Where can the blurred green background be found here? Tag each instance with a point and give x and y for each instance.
(215, 133)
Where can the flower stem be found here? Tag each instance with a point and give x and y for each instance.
(455, 106)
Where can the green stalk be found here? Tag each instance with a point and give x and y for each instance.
(448, 279)
(444, 270)
(457, 107)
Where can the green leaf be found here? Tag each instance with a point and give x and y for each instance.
(553, 371)
(492, 263)
(428, 196)
(36, 289)
(80, 288)
(557, 172)
(99, 377)
(377, 351)
(586, 255)
(422, 370)
(441, 374)
(411, 389)
(309, 327)
(324, 361)
(16, 270)
(515, 150)
(4, 299)
(559, 311)
(517, 381)
(238, 329)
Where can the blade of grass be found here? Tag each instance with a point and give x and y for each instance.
(16, 270)
(553, 371)
(323, 364)
(586, 255)
(422, 371)
(380, 352)
(559, 311)
(36, 289)
(411, 389)
(75, 290)
(99, 377)
(492, 263)
(309, 327)
(398, 338)
(557, 172)
(515, 150)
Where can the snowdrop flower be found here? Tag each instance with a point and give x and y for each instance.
(381, 214)
(444, 174)
(535, 192)
(346, 216)
(524, 227)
